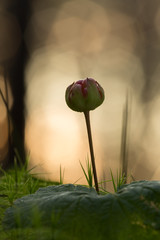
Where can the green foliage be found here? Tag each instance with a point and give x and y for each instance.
(119, 181)
(15, 183)
(18, 182)
(72, 212)
(88, 174)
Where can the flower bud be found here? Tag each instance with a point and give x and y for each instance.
(84, 95)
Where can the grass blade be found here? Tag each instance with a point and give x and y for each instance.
(84, 172)
(113, 181)
(125, 137)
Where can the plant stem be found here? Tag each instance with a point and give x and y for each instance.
(87, 118)
(124, 139)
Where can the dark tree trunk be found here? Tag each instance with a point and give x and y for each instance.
(14, 70)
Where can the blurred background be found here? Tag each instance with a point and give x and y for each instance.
(47, 45)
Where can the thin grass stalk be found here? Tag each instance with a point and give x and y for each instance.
(18, 158)
(88, 174)
(113, 181)
(87, 178)
(16, 173)
(124, 139)
(61, 175)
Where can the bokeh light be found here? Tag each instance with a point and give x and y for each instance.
(108, 41)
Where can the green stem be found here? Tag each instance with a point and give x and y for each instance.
(87, 118)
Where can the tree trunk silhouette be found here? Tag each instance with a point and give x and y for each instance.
(13, 64)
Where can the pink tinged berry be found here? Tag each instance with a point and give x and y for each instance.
(84, 95)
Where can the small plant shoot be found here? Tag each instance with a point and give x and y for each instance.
(84, 96)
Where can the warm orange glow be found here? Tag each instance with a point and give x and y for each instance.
(53, 141)
(85, 39)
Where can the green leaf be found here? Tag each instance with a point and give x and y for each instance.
(78, 213)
